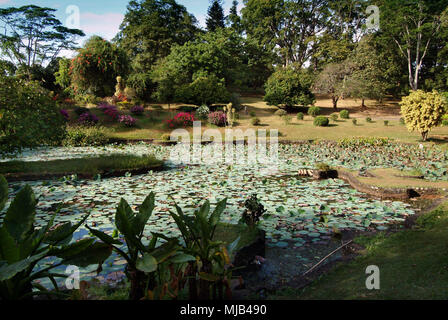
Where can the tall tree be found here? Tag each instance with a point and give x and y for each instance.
(234, 19)
(412, 25)
(31, 35)
(151, 27)
(215, 16)
(289, 27)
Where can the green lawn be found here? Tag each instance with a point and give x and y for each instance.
(152, 125)
(413, 265)
(84, 166)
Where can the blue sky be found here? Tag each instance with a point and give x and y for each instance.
(103, 17)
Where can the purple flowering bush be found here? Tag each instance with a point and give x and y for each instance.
(218, 118)
(65, 114)
(137, 110)
(128, 121)
(88, 119)
(109, 110)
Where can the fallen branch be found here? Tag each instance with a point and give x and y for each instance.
(328, 256)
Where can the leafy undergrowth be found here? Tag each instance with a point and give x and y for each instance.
(85, 166)
(413, 265)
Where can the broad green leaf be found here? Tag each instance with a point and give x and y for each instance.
(182, 258)
(19, 218)
(96, 253)
(233, 246)
(8, 271)
(147, 263)
(64, 232)
(9, 251)
(145, 212)
(104, 237)
(216, 215)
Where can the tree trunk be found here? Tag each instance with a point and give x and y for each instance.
(363, 104)
(335, 102)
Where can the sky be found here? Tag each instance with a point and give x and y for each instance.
(103, 17)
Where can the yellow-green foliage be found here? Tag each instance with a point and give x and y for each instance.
(423, 111)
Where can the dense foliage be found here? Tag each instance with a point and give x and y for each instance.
(289, 87)
(28, 116)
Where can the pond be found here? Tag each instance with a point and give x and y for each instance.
(300, 212)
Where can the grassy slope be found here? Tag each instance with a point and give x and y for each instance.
(81, 166)
(151, 125)
(413, 265)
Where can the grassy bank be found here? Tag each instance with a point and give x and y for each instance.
(84, 166)
(413, 265)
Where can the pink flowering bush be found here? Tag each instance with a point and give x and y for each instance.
(109, 110)
(218, 118)
(182, 119)
(128, 121)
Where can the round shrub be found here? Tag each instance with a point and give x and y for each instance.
(314, 111)
(218, 118)
(386, 123)
(369, 120)
(281, 113)
(182, 119)
(344, 114)
(334, 117)
(127, 120)
(255, 121)
(202, 112)
(321, 121)
(300, 116)
(355, 122)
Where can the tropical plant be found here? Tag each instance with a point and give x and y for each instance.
(212, 266)
(22, 247)
(423, 111)
(142, 260)
(253, 212)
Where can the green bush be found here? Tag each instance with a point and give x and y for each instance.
(445, 123)
(165, 137)
(344, 114)
(386, 123)
(253, 114)
(321, 121)
(289, 87)
(300, 116)
(255, 121)
(281, 113)
(80, 136)
(314, 111)
(202, 112)
(204, 90)
(369, 120)
(287, 119)
(334, 117)
(355, 122)
(28, 116)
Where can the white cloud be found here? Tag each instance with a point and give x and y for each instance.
(105, 25)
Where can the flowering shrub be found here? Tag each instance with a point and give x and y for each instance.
(109, 110)
(218, 118)
(137, 110)
(128, 121)
(88, 119)
(182, 119)
(65, 114)
(203, 112)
